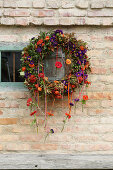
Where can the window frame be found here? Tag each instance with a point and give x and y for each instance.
(17, 48)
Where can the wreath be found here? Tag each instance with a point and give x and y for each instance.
(73, 60)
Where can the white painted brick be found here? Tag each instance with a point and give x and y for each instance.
(51, 21)
(94, 21)
(21, 21)
(42, 13)
(38, 3)
(1, 3)
(68, 3)
(24, 3)
(1, 12)
(36, 21)
(97, 4)
(66, 21)
(72, 12)
(10, 3)
(53, 4)
(7, 21)
(82, 3)
(79, 21)
(16, 12)
(101, 13)
(8, 38)
(109, 3)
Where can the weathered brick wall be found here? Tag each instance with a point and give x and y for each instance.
(89, 131)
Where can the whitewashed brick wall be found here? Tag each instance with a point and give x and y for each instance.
(87, 132)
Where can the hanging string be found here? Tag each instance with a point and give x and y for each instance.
(52, 105)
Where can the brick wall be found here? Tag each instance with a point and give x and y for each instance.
(90, 131)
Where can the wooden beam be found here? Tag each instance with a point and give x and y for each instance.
(56, 161)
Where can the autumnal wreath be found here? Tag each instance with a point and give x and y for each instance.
(75, 63)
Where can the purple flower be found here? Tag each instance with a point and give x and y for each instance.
(27, 74)
(31, 62)
(71, 104)
(77, 54)
(52, 39)
(85, 76)
(84, 61)
(78, 74)
(84, 51)
(58, 31)
(51, 131)
(32, 38)
(29, 58)
(54, 43)
(39, 50)
(76, 100)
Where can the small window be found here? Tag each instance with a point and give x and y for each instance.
(50, 70)
(10, 65)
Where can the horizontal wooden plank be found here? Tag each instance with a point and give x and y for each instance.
(12, 46)
(55, 161)
(11, 86)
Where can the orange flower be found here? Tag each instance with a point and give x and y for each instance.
(81, 47)
(87, 82)
(68, 61)
(80, 79)
(39, 89)
(40, 42)
(50, 114)
(47, 38)
(23, 68)
(65, 87)
(85, 97)
(83, 68)
(56, 81)
(58, 96)
(73, 86)
(31, 65)
(68, 115)
(36, 85)
(56, 92)
(43, 44)
(46, 78)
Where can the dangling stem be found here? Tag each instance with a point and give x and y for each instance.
(46, 137)
(75, 108)
(63, 124)
(82, 107)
